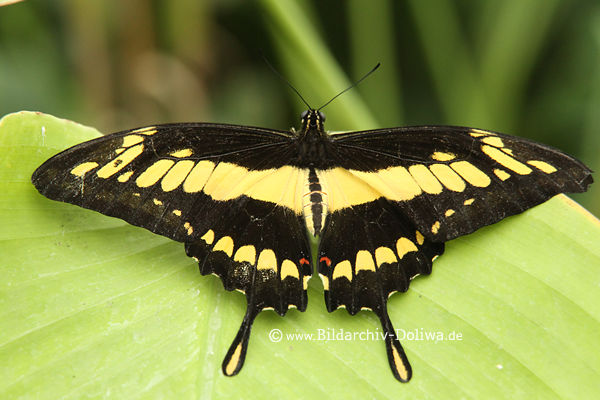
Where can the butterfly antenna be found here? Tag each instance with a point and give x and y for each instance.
(286, 81)
(350, 87)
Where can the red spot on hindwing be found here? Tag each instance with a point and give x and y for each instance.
(326, 260)
(304, 261)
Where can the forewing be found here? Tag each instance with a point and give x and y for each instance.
(155, 177)
(449, 181)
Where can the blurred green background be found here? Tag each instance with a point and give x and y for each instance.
(524, 67)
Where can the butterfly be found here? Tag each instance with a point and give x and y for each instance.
(245, 201)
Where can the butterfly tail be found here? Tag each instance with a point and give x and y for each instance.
(396, 356)
(234, 359)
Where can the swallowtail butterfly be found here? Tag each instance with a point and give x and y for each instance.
(244, 201)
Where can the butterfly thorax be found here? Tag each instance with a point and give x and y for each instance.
(313, 141)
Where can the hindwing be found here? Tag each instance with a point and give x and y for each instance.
(367, 253)
(260, 249)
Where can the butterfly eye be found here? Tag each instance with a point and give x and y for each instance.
(304, 114)
(321, 116)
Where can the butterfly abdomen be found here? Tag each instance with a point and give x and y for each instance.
(314, 202)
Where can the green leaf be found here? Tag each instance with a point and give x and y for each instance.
(92, 307)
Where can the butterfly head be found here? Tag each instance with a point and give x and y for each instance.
(312, 120)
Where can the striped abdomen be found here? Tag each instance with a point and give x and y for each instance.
(314, 201)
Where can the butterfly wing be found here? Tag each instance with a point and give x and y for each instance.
(154, 177)
(395, 195)
(223, 190)
(381, 255)
(452, 181)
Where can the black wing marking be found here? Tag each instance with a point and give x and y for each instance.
(367, 253)
(261, 250)
(452, 180)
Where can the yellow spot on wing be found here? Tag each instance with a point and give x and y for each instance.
(493, 141)
(235, 359)
(542, 166)
(225, 244)
(448, 177)
(197, 178)
(442, 156)
(346, 190)
(130, 140)
(177, 212)
(500, 173)
(364, 261)
(435, 227)
(181, 153)
(189, 228)
(149, 130)
(420, 238)
(479, 132)
(245, 253)
(399, 364)
(305, 280)
(176, 175)
(425, 179)
(267, 260)
(119, 150)
(223, 180)
(449, 212)
(385, 255)
(301, 180)
(83, 168)
(404, 246)
(120, 162)
(506, 160)
(471, 173)
(158, 202)
(325, 281)
(288, 268)
(468, 202)
(394, 183)
(153, 173)
(403, 186)
(343, 269)
(279, 186)
(124, 177)
(209, 236)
